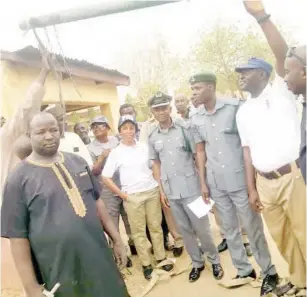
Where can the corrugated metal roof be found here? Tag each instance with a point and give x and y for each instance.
(30, 50)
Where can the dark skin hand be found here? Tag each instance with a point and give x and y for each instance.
(201, 161)
(275, 40)
(156, 169)
(253, 196)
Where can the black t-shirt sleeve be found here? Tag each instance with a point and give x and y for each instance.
(14, 211)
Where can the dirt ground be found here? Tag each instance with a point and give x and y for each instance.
(177, 286)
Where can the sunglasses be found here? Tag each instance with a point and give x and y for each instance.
(291, 53)
(98, 125)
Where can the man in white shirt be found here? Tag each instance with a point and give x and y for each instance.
(70, 141)
(268, 125)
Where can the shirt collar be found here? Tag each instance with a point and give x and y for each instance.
(160, 130)
(218, 105)
(137, 144)
(263, 94)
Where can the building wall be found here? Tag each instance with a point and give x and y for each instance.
(17, 78)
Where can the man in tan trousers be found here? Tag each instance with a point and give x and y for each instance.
(147, 127)
(11, 132)
(269, 128)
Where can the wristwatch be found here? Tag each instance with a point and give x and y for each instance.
(263, 18)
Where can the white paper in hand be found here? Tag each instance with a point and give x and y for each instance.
(200, 208)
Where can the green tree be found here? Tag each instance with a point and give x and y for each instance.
(141, 99)
(223, 48)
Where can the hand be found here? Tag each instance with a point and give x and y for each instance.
(104, 155)
(205, 193)
(254, 7)
(124, 196)
(164, 201)
(254, 201)
(120, 254)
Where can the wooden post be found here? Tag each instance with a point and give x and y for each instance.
(87, 12)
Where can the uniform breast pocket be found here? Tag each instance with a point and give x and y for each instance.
(158, 145)
(232, 137)
(84, 181)
(180, 144)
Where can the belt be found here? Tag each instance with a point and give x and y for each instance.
(286, 169)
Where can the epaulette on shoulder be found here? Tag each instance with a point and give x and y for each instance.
(231, 101)
(152, 128)
(182, 123)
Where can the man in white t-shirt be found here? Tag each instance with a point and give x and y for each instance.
(139, 191)
(268, 124)
(70, 141)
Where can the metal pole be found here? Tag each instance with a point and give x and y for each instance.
(86, 12)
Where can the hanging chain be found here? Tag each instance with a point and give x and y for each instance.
(65, 62)
(43, 50)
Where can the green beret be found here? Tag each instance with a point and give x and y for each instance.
(159, 99)
(203, 77)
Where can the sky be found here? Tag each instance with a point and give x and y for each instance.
(105, 40)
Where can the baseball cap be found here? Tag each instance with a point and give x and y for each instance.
(100, 120)
(256, 63)
(127, 118)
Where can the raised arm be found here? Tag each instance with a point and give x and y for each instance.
(275, 40)
(19, 122)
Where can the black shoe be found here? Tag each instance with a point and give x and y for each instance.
(147, 271)
(252, 275)
(167, 246)
(177, 252)
(167, 267)
(195, 274)
(248, 249)
(282, 290)
(129, 263)
(269, 284)
(133, 250)
(222, 247)
(218, 271)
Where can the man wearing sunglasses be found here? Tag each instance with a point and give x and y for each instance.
(100, 149)
(268, 125)
(295, 68)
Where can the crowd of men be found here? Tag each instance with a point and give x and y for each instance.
(249, 156)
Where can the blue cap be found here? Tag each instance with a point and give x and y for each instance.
(127, 118)
(100, 120)
(256, 63)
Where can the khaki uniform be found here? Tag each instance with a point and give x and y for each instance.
(269, 126)
(146, 129)
(226, 181)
